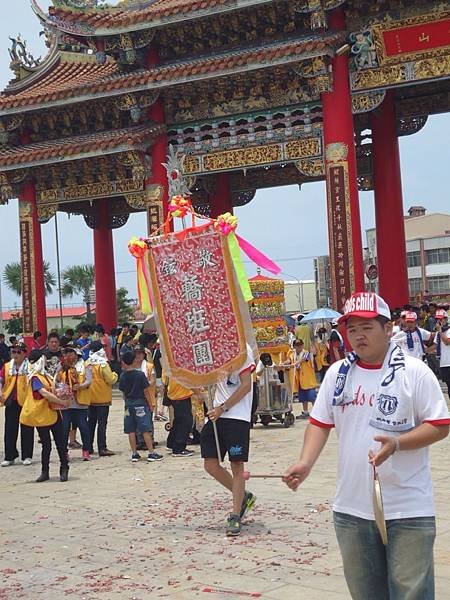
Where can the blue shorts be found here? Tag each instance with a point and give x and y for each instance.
(138, 419)
(307, 395)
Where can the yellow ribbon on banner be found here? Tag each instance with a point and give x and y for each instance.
(235, 253)
(139, 249)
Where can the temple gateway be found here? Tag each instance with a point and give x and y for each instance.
(253, 94)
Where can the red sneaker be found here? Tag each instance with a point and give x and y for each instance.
(86, 456)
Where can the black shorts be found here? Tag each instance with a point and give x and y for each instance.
(234, 438)
(445, 374)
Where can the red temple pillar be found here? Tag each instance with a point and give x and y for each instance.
(159, 149)
(105, 280)
(222, 198)
(33, 286)
(391, 246)
(344, 227)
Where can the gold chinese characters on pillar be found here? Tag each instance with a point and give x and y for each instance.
(339, 224)
(28, 269)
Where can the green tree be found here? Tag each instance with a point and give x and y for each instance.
(79, 279)
(15, 324)
(125, 306)
(12, 277)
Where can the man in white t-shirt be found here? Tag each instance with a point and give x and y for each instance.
(387, 408)
(412, 339)
(232, 408)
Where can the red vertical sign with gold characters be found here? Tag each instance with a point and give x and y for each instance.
(339, 224)
(27, 264)
(197, 305)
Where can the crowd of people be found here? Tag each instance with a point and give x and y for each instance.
(422, 332)
(65, 386)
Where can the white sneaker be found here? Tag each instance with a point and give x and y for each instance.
(6, 463)
(27, 462)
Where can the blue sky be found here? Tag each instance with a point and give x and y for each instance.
(287, 223)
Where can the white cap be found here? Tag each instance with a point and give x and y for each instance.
(366, 305)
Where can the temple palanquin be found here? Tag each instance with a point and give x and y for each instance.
(253, 94)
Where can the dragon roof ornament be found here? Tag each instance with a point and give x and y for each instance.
(22, 61)
(175, 174)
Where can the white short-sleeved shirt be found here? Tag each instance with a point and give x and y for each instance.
(227, 386)
(445, 350)
(405, 476)
(401, 340)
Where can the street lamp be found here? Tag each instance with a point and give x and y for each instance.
(301, 303)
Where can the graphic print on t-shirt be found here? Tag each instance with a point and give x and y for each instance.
(405, 476)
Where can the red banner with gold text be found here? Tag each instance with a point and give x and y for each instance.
(197, 305)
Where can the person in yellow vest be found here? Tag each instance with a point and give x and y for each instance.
(77, 377)
(103, 378)
(41, 409)
(13, 389)
(303, 377)
(120, 338)
(179, 399)
(322, 353)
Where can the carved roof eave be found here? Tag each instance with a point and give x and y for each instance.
(74, 157)
(162, 21)
(80, 147)
(257, 65)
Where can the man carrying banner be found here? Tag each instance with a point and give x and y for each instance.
(387, 408)
(231, 412)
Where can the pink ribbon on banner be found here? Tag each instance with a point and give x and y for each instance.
(258, 257)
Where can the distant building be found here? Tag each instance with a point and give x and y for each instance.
(300, 296)
(428, 254)
(322, 281)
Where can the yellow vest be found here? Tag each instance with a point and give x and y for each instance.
(8, 386)
(101, 387)
(82, 396)
(321, 355)
(303, 378)
(37, 413)
(176, 391)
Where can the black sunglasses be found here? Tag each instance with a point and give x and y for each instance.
(16, 351)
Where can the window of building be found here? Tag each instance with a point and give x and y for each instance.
(439, 284)
(413, 258)
(438, 255)
(415, 286)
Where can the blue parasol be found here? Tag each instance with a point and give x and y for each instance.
(321, 314)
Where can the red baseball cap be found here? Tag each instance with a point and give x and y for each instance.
(441, 314)
(410, 316)
(366, 305)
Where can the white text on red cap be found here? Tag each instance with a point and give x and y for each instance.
(364, 302)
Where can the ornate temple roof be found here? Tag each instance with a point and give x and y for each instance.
(129, 16)
(58, 77)
(75, 78)
(78, 147)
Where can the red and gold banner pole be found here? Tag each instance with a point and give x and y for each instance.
(222, 198)
(391, 247)
(159, 149)
(33, 287)
(344, 226)
(105, 280)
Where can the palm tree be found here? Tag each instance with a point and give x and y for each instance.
(12, 277)
(79, 279)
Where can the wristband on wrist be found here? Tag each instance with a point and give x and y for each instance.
(397, 444)
(224, 408)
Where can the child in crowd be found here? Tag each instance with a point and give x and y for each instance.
(138, 406)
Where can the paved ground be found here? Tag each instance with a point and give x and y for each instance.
(127, 531)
